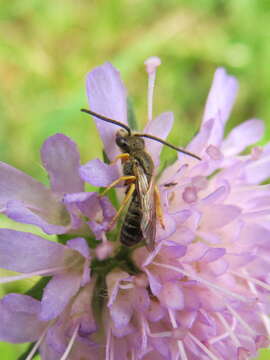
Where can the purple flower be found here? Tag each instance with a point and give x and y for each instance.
(32, 255)
(25, 200)
(202, 293)
(206, 281)
(66, 336)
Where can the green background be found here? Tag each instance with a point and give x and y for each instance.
(47, 47)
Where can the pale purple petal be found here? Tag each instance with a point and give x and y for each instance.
(75, 202)
(17, 211)
(219, 103)
(25, 252)
(97, 173)
(113, 280)
(199, 143)
(257, 171)
(243, 135)
(217, 195)
(218, 216)
(173, 250)
(156, 312)
(107, 96)
(92, 206)
(121, 312)
(159, 127)
(218, 267)
(57, 294)
(88, 203)
(170, 226)
(171, 296)
(213, 254)
(19, 319)
(33, 196)
(154, 282)
(61, 159)
(80, 245)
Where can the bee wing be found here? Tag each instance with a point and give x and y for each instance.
(148, 207)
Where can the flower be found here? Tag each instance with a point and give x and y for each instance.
(25, 200)
(202, 293)
(67, 264)
(206, 282)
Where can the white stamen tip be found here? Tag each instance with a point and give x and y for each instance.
(152, 63)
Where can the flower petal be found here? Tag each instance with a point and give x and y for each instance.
(172, 296)
(257, 171)
(243, 135)
(107, 96)
(97, 173)
(80, 245)
(92, 206)
(121, 312)
(35, 253)
(31, 196)
(218, 216)
(58, 293)
(219, 103)
(17, 211)
(200, 141)
(160, 127)
(61, 159)
(19, 319)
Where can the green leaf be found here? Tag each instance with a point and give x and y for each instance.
(37, 290)
(24, 355)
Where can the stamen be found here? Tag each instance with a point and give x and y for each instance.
(172, 318)
(239, 318)
(264, 318)
(49, 271)
(182, 351)
(112, 349)
(144, 334)
(126, 287)
(229, 330)
(218, 338)
(180, 344)
(70, 344)
(203, 281)
(203, 347)
(253, 280)
(161, 334)
(151, 65)
(224, 335)
(108, 344)
(36, 346)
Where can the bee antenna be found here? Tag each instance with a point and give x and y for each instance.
(169, 145)
(104, 118)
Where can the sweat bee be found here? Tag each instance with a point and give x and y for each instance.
(142, 194)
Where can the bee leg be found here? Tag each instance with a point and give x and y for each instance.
(123, 157)
(124, 203)
(159, 207)
(129, 178)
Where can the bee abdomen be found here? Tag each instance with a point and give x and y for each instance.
(131, 232)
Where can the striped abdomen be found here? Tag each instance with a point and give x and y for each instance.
(131, 232)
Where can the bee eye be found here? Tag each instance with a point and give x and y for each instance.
(121, 141)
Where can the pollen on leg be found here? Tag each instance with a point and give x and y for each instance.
(124, 157)
(159, 208)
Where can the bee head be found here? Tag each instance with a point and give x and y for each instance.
(129, 143)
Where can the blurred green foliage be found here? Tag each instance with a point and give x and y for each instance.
(47, 47)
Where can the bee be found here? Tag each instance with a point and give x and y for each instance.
(142, 194)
